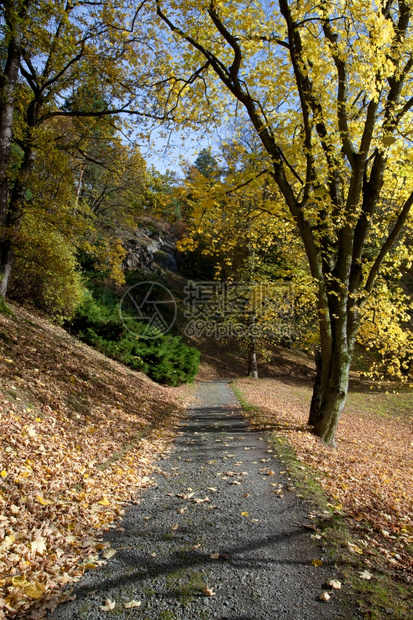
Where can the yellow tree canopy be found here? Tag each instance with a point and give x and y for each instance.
(327, 88)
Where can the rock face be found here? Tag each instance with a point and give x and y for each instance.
(151, 250)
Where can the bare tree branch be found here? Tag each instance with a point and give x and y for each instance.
(389, 243)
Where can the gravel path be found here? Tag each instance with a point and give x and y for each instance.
(212, 540)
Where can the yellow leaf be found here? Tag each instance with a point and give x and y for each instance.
(20, 581)
(244, 514)
(388, 140)
(35, 590)
(316, 562)
(104, 502)
(355, 548)
(3, 474)
(42, 501)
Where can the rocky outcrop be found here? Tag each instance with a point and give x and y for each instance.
(151, 250)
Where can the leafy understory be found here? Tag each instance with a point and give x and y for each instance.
(79, 435)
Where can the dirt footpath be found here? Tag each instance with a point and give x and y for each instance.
(220, 536)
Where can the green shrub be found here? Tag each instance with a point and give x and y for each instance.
(164, 358)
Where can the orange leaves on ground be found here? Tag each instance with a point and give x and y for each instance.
(368, 477)
(71, 455)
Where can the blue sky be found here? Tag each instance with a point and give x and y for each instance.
(172, 152)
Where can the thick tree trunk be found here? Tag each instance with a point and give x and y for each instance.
(333, 362)
(14, 218)
(329, 396)
(10, 206)
(332, 403)
(6, 265)
(8, 82)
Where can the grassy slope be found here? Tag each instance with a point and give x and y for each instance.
(78, 437)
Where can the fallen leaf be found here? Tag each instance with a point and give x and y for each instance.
(35, 590)
(42, 501)
(316, 562)
(244, 514)
(132, 604)
(209, 591)
(309, 527)
(20, 581)
(333, 583)
(104, 502)
(324, 596)
(108, 606)
(214, 556)
(109, 553)
(355, 548)
(365, 575)
(38, 545)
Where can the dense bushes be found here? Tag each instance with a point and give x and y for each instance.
(164, 358)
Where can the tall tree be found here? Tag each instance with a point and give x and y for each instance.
(327, 88)
(12, 18)
(49, 48)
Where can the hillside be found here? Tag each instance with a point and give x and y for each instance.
(70, 417)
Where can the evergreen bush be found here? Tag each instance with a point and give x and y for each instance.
(164, 358)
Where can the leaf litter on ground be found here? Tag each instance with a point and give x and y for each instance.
(368, 477)
(79, 435)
